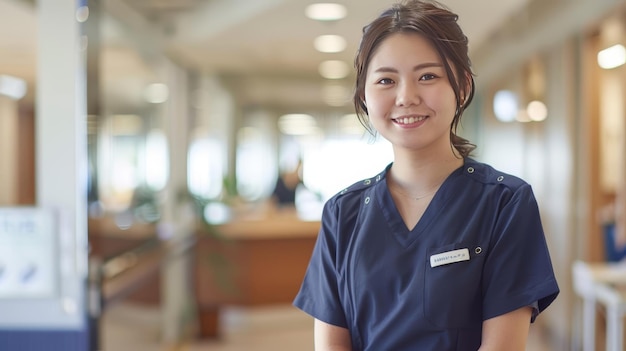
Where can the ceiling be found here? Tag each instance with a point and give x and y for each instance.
(262, 48)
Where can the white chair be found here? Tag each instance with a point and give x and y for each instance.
(603, 283)
(584, 287)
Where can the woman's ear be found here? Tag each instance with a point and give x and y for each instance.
(467, 89)
(363, 103)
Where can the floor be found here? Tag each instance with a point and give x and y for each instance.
(278, 328)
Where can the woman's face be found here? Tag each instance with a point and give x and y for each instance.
(409, 99)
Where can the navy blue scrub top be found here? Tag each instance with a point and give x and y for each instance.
(477, 252)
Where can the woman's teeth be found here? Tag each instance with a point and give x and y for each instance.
(409, 120)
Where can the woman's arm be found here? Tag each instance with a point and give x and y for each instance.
(329, 337)
(507, 332)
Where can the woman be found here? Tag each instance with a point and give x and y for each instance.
(438, 251)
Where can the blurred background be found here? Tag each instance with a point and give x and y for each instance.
(202, 138)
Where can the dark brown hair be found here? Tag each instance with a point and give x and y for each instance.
(439, 26)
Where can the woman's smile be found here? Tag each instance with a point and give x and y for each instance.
(409, 120)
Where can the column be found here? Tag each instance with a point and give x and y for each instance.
(177, 223)
(53, 317)
(61, 166)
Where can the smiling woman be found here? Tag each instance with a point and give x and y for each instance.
(268, 69)
(430, 252)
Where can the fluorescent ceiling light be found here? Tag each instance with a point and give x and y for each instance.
(297, 124)
(325, 11)
(156, 93)
(334, 69)
(330, 43)
(12, 87)
(612, 57)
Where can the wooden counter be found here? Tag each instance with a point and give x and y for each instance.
(250, 262)
(107, 240)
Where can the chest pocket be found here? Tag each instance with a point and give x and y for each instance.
(452, 286)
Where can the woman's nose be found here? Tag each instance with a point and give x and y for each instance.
(407, 94)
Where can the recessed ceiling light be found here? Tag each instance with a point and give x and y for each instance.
(612, 57)
(156, 93)
(505, 105)
(297, 124)
(330, 43)
(537, 111)
(326, 11)
(334, 69)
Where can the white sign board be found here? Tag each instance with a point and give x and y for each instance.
(28, 268)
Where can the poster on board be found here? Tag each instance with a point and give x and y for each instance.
(27, 253)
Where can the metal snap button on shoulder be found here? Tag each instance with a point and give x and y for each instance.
(470, 170)
(367, 200)
(500, 178)
(478, 250)
(367, 182)
(378, 178)
(344, 191)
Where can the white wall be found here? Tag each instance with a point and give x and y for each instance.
(544, 154)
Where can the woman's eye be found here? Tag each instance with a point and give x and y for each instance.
(428, 76)
(385, 81)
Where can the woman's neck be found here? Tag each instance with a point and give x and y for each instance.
(417, 174)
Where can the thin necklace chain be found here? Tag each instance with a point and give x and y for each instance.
(416, 198)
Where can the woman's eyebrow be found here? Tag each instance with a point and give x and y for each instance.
(415, 68)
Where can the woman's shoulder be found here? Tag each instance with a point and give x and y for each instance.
(356, 189)
(487, 174)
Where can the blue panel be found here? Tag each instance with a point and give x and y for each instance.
(39, 340)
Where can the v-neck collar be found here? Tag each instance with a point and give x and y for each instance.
(405, 236)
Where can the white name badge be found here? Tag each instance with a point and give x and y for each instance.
(449, 257)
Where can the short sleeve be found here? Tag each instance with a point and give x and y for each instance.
(319, 295)
(518, 271)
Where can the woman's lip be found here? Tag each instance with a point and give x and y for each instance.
(407, 120)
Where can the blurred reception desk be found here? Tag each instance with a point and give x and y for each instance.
(250, 263)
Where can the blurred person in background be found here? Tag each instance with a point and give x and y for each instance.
(287, 183)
